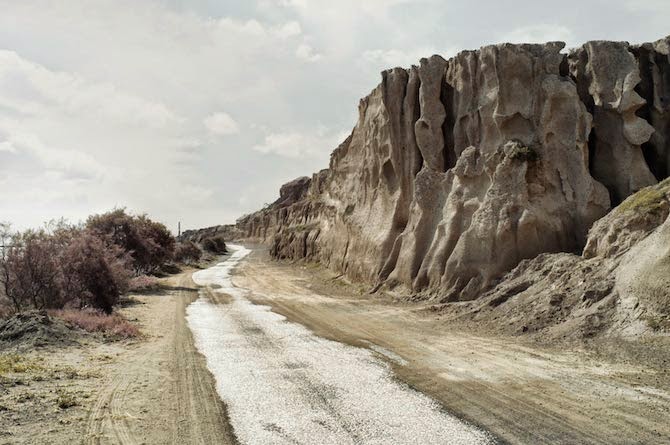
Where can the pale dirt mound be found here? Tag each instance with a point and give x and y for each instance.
(32, 329)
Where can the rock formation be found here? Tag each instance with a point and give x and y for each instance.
(619, 285)
(459, 169)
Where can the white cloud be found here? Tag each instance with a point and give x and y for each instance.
(540, 33)
(68, 161)
(290, 29)
(221, 124)
(389, 58)
(306, 52)
(295, 144)
(30, 88)
(7, 147)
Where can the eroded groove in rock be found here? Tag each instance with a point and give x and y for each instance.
(458, 170)
(608, 74)
(654, 87)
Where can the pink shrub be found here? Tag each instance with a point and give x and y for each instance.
(143, 283)
(90, 320)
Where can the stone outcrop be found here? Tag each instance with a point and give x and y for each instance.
(458, 170)
(618, 286)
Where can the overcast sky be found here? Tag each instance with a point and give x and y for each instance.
(199, 110)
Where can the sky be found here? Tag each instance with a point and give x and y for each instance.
(197, 111)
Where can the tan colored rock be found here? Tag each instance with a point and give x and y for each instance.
(620, 286)
(654, 87)
(458, 170)
(630, 222)
(608, 74)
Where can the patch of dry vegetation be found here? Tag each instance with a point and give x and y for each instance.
(111, 325)
(144, 283)
(17, 364)
(649, 199)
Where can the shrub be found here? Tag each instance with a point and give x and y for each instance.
(68, 266)
(143, 283)
(95, 274)
(16, 364)
(149, 243)
(187, 252)
(214, 244)
(66, 400)
(31, 273)
(90, 320)
(61, 266)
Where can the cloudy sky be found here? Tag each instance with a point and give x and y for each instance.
(199, 110)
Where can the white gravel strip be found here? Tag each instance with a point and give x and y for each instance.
(284, 385)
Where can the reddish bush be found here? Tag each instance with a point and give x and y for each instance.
(159, 241)
(149, 243)
(31, 273)
(143, 283)
(187, 252)
(95, 274)
(59, 267)
(94, 321)
(66, 266)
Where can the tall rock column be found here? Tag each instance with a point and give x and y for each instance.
(607, 75)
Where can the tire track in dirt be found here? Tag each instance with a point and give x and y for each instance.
(203, 418)
(106, 411)
(158, 389)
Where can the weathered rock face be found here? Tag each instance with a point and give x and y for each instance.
(607, 74)
(458, 170)
(618, 286)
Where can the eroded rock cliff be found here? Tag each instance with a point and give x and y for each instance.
(459, 169)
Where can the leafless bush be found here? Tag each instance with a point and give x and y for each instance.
(31, 274)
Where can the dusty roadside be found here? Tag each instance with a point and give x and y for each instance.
(152, 390)
(521, 393)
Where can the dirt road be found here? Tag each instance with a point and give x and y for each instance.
(520, 393)
(161, 391)
(284, 385)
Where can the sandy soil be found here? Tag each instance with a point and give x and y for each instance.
(153, 390)
(520, 392)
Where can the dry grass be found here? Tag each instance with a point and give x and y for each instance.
(144, 283)
(17, 364)
(112, 325)
(649, 199)
(66, 400)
